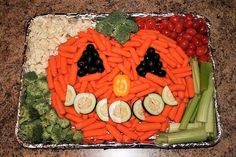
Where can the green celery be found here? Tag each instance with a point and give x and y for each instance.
(196, 75)
(174, 127)
(210, 123)
(189, 112)
(162, 138)
(205, 71)
(193, 117)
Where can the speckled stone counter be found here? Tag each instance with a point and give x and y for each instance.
(14, 15)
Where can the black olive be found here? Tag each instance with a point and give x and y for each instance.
(81, 72)
(143, 64)
(159, 65)
(89, 59)
(92, 69)
(101, 69)
(86, 54)
(90, 47)
(141, 70)
(156, 57)
(147, 57)
(95, 54)
(160, 72)
(151, 65)
(98, 62)
(82, 63)
(150, 51)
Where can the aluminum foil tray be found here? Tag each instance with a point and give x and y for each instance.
(113, 145)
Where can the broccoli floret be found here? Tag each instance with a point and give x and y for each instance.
(28, 113)
(66, 135)
(121, 33)
(32, 131)
(42, 108)
(56, 134)
(116, 17)
(131, 25)
(31, 76)
(104, 27)
(78, 137)
(42, 85)
(63, 122)
(46, 136)
(51, 117)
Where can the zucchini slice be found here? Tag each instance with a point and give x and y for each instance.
(102, 110)
(153, 104)
(70, 95)
(119, 111)
(168, 97)
(138, 110)
(84, 103)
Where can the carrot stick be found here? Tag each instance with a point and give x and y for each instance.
(108, 45)
(63, 65)
(77, 86)
(124, 70)
(190, 86)
(147, 135)
(120, 51)
(171, 75)
(114, 132)
(139, 88)
(155, 119)
(182, 70)
(177, 87)
(50, 79)
(126, 139)
(73, 74)
(113, 73)
(160, 43)
(71, 110)
(115, 59)
(70, 41)
(73, 118)
(173, 112)
(181, 94)
(53, 66)
(156, 79)
(148, 36)
(95, 132)
(59, 105)
(66, 55)
(133, 67)
(96, 125)
(166, 110)
(67, 48)
(164, 126)
(98, 42)
(79, 53)
(91, 77)
(148, 126)
(180, 112)
(59, 90)
(167, 60)
(176, 55)
(110, 122)
(165, 38)
(105, 62)
(127, 64)
(101, 91)
(128, 97)
(107, 137)
(158, 88)
(145, 92)
(127, 132)
(83, 87)
(103, 84)
(85, 123)
(127, 124)
(107, 94)
(135, 123)
(181, 53)
(146, 44)
(62, 83)
(132, 44)
(183, 74)
(109, 54)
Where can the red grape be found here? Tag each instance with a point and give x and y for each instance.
(190, 52)
(179, 27)
(171, 26)
(189, 17)
(205, 40)
(188, 23)
(184, 44)
(196, 41)
(187, 36)
(201, 50)
(191, 31)
(191, 46)
(174, 19)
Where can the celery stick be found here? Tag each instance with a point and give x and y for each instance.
(162, 138)
(193, 117)
(189, 112)
(195, 72)
(174, 127)
(205, 71)
(186, 136)
(214, 134)
(205, 101)
(210, 124)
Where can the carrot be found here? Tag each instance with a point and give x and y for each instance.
(148, 126)
(71, 110)
(164, 126)
(148, 36)
(139, 88)
(172, 45)
(135, 123)
(91, 77)
(127, 64)
(109, 54)
(96, 125)
(85, 116)
(156, 79)
(132, 44)
(70, 41)
(134, 55)
(128, 97)
(98, 42)
(108, 45)
(113, 73)
(173, 112)
(176, 55)
(110, 122)
(63, 65)
(180, 112)
(114, 132)
(126, 139)
(159, 48)
(115, 59)
(160, 43)
(184, 74)
(107, 137)
(85, 123)
(59, 105)
(50, 79)
(53, 66)
(120, 51)
(182, 70)
(73, 74)
(171, 75)
(103, 84)
(146, 44)
(58, 61)
(95, 132)
(133, 67)
(127, 124)
(107, 94)
(166, 110)
(124, 70)
(73, 118)
(103, 39)
(83, 87)
(79, 53)
(145, 92)
(101, 91)
(181, 94)
(147, 135)
(127, 132)
(59, 90)
(181, 53)
(190, 86)
(155, 119)
(177, 87)
(66, 55)
(167, 60)
(105, 62)
(151, 83)
(165, 38)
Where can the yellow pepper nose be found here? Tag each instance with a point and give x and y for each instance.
(121, 85)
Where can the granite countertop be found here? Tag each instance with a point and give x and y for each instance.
(14, 15)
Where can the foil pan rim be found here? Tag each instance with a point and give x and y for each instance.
(113, 145)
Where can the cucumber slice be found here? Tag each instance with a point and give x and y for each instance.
(70, 96)
(153, 104)
(102, 110)
(168, 97)
(138, 110)
(119, 111)
(84, 103)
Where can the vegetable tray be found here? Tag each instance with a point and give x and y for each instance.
(93, 18)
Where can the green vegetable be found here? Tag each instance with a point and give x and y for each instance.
(205, 71)
(28, 113)
(189, 111)
(63, 122)
(30, 76)
(174, 127)
(78, 137)
(209, 126)
(196, 75)
(193, 117)
(117, 25)
(42, 108)
(51, 117)
(205, 101)
(162, 138)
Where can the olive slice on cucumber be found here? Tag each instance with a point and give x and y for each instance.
(138, 110)
(168, 97)
(102, 110)
(119, 111)
(84, 103)
(153, 104)
(70, 95)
